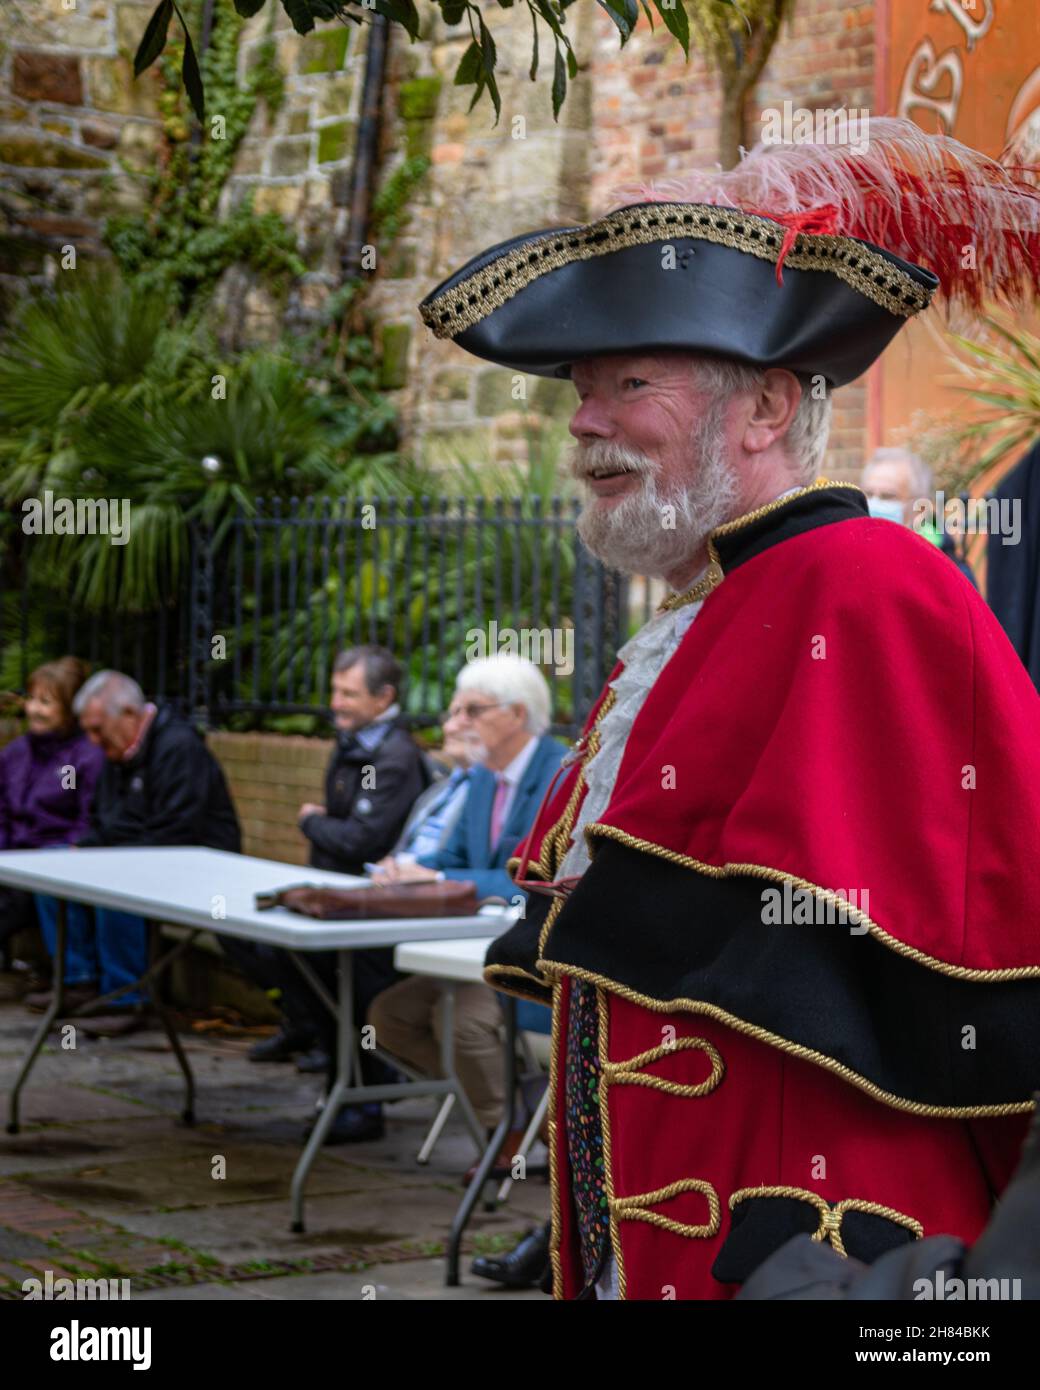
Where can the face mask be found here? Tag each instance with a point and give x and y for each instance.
(886, 508)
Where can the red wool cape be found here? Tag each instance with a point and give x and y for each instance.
(845, 718)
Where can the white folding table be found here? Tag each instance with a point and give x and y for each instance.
(212, 890)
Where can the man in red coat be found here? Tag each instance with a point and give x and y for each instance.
(784, 896)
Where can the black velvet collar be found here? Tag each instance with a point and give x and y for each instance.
(820, 505)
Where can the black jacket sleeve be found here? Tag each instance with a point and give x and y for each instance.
(94, 835)
(363, 834)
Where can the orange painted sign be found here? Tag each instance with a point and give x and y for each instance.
(970, 69)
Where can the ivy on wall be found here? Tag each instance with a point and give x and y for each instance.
(180, 243)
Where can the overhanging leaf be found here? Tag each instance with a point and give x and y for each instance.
(190, 74)
(624, 14)
(559, 87)
(299, 12)
(153, 40)
(402, 12)
(248, 8)
(470, 66)
(676, 21)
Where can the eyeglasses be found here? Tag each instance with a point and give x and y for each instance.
(471, 711)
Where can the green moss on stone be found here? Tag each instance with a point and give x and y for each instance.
(39, 155)
(393, 368)
(332, 142)
(324, 50)
(417, 100)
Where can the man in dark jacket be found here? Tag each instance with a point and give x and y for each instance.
(160, 786)
(374, 776)
(376, 771)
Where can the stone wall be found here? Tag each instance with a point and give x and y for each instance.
(77, 135)
(76, 131)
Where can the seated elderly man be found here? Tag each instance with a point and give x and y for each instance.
(160, 785)
(501, 705)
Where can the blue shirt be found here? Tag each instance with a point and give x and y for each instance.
(425, 836)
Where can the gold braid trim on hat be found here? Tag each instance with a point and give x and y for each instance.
(493, 285)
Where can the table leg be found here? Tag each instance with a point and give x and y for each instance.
(344, 1076)
(159, 1005)
(485, 1165)
(52, 1013)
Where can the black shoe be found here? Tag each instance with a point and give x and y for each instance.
(281, 1046)
(524, 1267)
(353, 1126)
(316, 1060)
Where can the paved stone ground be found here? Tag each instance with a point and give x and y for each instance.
(104, 1180)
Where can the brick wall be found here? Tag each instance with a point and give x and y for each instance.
(269, 775)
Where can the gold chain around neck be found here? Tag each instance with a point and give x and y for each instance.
(708, 581)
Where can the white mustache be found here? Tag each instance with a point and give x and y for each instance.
(584, 462)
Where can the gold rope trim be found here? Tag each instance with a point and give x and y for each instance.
(547, 925)
(636, 1208)
(628, 1073)
(491, 977)
(716, 573)
(829, 1228)
(556, 969)
(454, 310)
(958, 972)
(533, 868)
(554, 1175)
(739, 522)
(603, 1011)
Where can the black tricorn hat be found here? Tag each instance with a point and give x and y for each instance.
(687, 276)
(803, 256)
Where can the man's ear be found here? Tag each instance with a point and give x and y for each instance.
(773, 409)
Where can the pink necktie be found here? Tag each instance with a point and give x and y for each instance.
(498, 809)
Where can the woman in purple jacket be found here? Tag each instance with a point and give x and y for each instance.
(47, 779)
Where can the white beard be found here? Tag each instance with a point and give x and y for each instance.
(631, 534)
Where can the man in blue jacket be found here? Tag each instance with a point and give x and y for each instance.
(502, 706)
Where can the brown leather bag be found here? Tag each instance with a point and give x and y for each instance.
(448, 898)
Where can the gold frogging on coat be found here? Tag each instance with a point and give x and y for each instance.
(829, 1228)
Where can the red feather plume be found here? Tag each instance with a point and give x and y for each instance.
(930, 199)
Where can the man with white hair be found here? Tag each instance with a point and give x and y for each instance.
(501, 707)
(784, 908)
(160, 786)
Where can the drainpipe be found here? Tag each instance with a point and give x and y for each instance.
(359, 193)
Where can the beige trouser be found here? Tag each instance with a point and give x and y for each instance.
(407, 1019)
